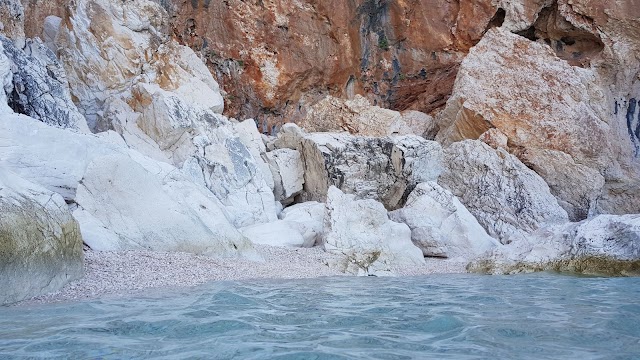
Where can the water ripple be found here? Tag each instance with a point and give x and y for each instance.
(542, 316)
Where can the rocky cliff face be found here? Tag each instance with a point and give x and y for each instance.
(274, 58)
(483, 125)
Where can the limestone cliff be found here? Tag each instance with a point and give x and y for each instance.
(482, 124)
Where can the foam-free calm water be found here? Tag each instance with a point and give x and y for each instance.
(541, 316)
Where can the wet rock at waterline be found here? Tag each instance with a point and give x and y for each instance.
(40, 242)
(605, 245)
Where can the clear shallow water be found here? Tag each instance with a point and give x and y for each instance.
(540, 316)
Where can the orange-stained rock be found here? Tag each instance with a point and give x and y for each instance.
(276, 57)
(565, 93)
(358, 116)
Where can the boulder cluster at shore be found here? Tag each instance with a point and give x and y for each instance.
(113, 138)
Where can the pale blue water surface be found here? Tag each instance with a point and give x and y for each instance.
(542, 316)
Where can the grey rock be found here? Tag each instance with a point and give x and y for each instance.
(40, 87)
(508, 199)
(384, 169)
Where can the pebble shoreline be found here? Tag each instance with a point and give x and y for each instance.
(128, 272)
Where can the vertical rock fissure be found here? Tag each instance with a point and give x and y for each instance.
(634, 134)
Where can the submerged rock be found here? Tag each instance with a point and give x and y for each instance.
(40, 242)
(360, 230)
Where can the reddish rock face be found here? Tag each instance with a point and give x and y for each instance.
(273, 57)
(36, 11)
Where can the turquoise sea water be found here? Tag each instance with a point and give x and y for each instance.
(542, 316)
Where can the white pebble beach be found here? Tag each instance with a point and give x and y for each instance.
(123, 273)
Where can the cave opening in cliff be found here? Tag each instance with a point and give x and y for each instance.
(573, 44)
(498, 19)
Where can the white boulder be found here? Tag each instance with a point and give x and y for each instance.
(361, 231)
(287, 171)
(441, 226)
(152, 205)
(308, 219)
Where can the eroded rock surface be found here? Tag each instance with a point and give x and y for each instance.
(385, 169)
(40, 242)
(39, 86)
(605, 245)
(159, 95)
(508, 199)
(152, 205)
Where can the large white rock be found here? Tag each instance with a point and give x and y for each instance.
(508, 199)
(604, 245)
(574, 125)
(441, 226)
(40, 242)
(308, 219)
(123, 195)
(51, 157)
(277, 233)
(287, 169)
(361, 231)
(152, 205)
(164, 102)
